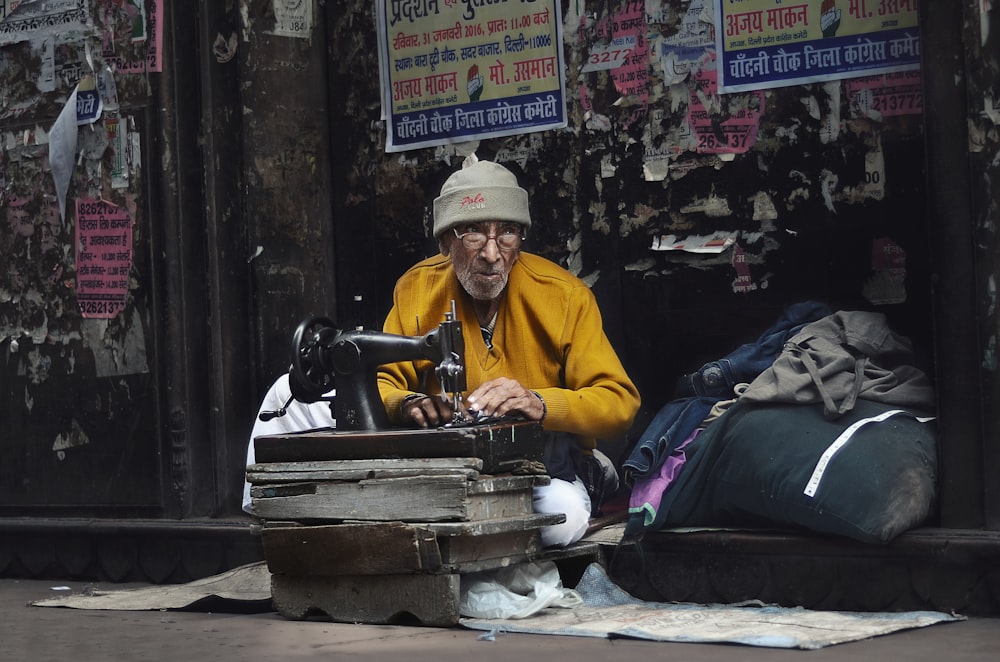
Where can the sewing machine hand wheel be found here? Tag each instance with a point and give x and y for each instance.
(311, 368)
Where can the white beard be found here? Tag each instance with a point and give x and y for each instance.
(482, 291)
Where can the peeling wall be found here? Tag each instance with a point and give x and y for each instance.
(75, 390)
(982, 40)
(984, 150)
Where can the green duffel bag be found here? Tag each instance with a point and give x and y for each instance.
(868, 475)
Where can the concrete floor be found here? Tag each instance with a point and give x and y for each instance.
(40, 634)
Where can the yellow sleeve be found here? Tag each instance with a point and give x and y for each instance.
(599, 399)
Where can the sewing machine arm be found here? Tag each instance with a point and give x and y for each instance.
(325, 357)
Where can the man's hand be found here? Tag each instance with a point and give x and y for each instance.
(427, 411)
(503, 397)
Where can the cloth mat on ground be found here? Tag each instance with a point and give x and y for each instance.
(610, 612)
(607, 611)
(242, 589)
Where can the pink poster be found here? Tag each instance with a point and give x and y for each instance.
(722, 127)
(631, 76)
(103, 257)
(743, 282)
(887, 95)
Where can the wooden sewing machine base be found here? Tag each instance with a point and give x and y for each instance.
(379, 526)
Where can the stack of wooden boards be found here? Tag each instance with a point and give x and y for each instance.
(387, 539)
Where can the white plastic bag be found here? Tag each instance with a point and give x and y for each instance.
(515, 592)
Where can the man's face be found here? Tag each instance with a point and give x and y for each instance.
(483, 270)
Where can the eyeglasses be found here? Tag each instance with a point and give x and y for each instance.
(508, 239)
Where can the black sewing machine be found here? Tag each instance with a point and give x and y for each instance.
(325, 358)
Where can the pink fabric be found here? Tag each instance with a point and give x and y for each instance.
(647, 493)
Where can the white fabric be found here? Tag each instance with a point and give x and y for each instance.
(608, 611)
(517, 591)
(561, 496)
(298, 416)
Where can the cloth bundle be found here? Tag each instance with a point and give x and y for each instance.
(834, 436)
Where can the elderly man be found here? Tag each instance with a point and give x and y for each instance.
(540, 351)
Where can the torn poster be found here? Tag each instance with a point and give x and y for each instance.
(292, 18)
(743, 282)
(611, 55)
(678, 54)
(712, 243)
(722, 125)
(632, 77)
(103, 257)
(88, 101)
(887, 284)
(62, 150)
(28, 20)
(888, 95)
(138, 23)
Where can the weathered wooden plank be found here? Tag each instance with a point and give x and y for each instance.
(493, 497)
(411, 499)
(374, 463)
(261, 478)
(264, 478)
(500, 446)
(494, 526)
(469, 558)
(491, 484)
(472, 553)
(495, 505)
(351, 549)
(394, 548)
(361, 469)
(431, 600)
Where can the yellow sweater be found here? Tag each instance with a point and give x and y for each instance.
(549, 336)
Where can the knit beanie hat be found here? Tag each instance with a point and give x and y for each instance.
(480, 191)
